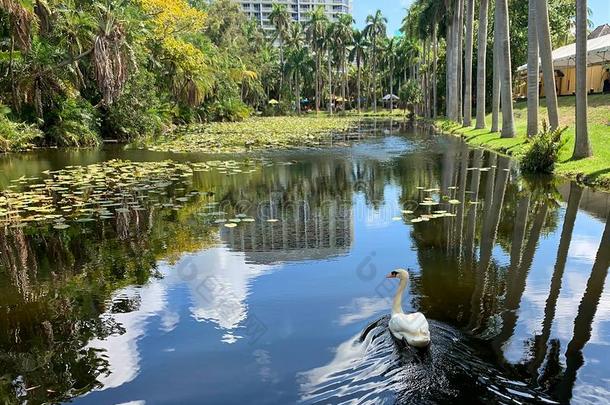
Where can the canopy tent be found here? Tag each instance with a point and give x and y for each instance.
(598, 52)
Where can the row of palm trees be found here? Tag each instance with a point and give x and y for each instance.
(457, 19)
(339, 55)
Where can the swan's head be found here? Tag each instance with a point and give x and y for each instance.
(399, 273)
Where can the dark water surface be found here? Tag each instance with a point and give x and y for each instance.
(161, 304)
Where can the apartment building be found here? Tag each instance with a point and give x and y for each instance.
(298, 9)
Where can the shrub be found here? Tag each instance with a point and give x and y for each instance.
(543, 151)
(410, 94)
(76, 123)
(140, 112)
(16, 136)
(231, 110)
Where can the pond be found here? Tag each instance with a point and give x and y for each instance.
(145, 277)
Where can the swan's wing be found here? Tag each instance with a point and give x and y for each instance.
(410, 323)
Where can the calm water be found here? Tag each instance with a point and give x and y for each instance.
(164, 305)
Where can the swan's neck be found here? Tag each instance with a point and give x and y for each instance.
(397, 304)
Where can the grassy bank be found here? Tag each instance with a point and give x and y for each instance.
(594, 171)
(253, 133)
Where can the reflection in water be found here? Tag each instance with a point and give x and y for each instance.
(105, 309)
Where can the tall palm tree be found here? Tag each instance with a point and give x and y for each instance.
(468, 64)
(546, 57)
(508, 119)
(344, 37)
(298, 61)
(375, 28)
(329, 45)
(454, 37)
(280, 19)
(533, 74)
(358, 52)
(390, 48)
(315, 27)
(294, 42)
(582, 147)
(481, 64)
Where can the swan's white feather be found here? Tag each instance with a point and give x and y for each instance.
(411, 327)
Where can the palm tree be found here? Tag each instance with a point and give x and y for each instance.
(508, 119)
(298, 61)
(358, 50)
(481, 64)
(454, 37)
(390, 47)
(468, 64)
(344, 37)
(546, 57)
(280, 19)
(329, 44)
(315, 28)
(532, 71)
(582, 147)
(375, 28)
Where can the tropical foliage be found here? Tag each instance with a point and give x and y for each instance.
(80, 71)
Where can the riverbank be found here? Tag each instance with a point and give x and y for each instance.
(594, 171)
(252, 133)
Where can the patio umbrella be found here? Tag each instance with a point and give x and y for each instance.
(387, 97)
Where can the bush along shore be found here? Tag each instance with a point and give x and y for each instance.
(593, 171)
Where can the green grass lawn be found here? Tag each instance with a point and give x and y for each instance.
(592, 171)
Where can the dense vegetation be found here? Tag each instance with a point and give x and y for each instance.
(80, 70)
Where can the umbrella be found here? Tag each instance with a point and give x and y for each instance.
(392, 96)
(273, 101)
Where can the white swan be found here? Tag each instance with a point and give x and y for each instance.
(411, 327)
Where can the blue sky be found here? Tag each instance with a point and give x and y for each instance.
(394, 10)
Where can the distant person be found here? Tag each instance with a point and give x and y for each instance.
(606, 88)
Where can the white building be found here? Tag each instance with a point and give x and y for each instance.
(298, 9)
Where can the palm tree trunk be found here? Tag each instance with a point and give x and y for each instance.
(344, 86)
(279, 93)
(460, 60)
(391, 87)
(496, 88)
(298, 91)
(508, 119)
(546, 57)
(330, 85)
(317, 81)
(434, 69)
(374, 76)
(532, 71)
(448, 69)
(358, 83)
(481, 64)
(582, 147)
(468, 64)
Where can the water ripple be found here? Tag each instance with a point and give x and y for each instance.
(373, 368)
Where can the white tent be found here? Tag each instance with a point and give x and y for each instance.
(598, 52)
